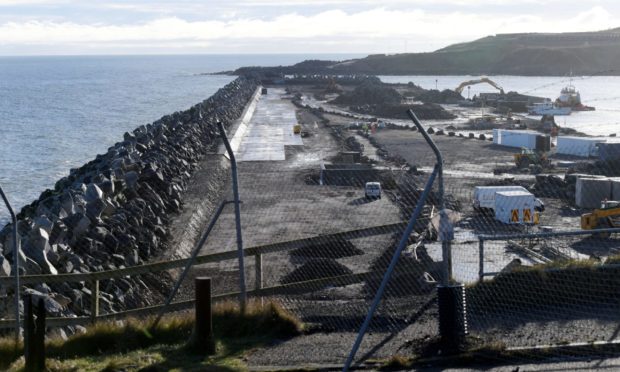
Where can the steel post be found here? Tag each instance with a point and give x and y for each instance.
(233, 166)
(15, 261)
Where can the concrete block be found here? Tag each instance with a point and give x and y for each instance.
(590, 191)
(615, 188)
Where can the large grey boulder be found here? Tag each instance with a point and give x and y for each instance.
(5, 266)
(131, 179)
(36, 247)
(66, 203)
(93, 192)
(52, 307)
(44, 223)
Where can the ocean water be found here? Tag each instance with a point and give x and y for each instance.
(602, 92)
(56, 113)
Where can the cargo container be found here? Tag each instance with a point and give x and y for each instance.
(589, 192)
(578, 146)
(484, 196)
(516, 207)
(609, 151)
(522, 138)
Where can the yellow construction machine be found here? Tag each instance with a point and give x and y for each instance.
(529, 157)
(483, 79)
(607, 216)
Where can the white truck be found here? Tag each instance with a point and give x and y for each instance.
(484, 197)
(372, 190)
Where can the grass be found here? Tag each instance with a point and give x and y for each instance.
(397, 363)
(133, 344)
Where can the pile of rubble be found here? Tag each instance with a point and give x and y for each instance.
(113, 212)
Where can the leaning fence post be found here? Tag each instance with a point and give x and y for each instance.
(203, 339)
(94, 300)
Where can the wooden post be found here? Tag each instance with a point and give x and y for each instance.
(94, 301)
(29, 345)
(34, 335)
(40, 332)
(203, 332)
(258, 282)
(259, 271)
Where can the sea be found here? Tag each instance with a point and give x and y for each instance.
(56, 113)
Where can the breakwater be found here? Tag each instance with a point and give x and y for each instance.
(115, 211)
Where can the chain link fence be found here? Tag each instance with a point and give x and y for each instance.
(319, 240)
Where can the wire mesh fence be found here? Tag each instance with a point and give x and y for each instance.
(319, 238)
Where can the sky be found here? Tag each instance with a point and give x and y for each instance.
(95, 27)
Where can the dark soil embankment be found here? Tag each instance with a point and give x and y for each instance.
(330, 248)
(436, 96)
(316, 269)
(426, 111)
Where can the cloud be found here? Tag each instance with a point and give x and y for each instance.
(332, 28)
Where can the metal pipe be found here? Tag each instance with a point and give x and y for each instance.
(15, 261)
(233, 165)
(386, 278)
(189, 263)
(445, 227)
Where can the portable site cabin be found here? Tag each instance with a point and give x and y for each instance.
(515, 207)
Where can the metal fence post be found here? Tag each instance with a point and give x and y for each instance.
(15, 261)
(235, 184)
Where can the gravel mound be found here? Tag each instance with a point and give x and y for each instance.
(316, 269)
(333, 248)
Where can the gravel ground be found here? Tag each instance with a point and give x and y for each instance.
(279, 205)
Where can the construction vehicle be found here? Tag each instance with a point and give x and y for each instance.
(297, 129)
(529, 157)
(607, 216)
(483, 79)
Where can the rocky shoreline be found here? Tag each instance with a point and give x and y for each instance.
(116, 210)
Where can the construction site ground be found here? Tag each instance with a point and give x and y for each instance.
(281, 202)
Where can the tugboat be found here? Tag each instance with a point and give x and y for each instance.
(548, 108)
(570, 97)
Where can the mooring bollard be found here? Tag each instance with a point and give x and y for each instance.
(203, 331)
(34, 335)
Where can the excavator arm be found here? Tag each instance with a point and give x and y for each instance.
(483, 79)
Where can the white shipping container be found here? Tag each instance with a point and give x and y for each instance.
(578, 146)
(515, 138)
(515, 207)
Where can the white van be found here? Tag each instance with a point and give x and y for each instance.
(484, 197)
(372, 190)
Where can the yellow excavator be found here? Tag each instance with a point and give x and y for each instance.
(605, 217)
(482, 79)
(528, 156)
